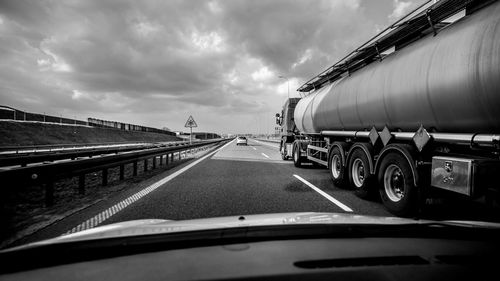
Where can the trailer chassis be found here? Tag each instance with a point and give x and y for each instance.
(404, 167)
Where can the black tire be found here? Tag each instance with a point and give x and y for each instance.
(359, 175)
(297, 159)
(337, 175)
(283, 151)
(396, 186)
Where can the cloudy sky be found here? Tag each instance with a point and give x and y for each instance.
(155, 63)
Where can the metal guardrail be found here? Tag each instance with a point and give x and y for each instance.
(69, 145)
(24, 159)
(47, 174)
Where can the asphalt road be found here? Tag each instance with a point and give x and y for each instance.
(231, 180)
(240, 180)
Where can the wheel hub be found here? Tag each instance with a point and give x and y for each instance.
(335, 166)
(394, 183)
(358, 172)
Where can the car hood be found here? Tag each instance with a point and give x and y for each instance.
(159, 226)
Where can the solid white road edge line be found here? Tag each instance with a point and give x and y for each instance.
(265, 155)
(101, 217)
(327, 196)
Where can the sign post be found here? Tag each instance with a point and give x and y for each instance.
(190, 123)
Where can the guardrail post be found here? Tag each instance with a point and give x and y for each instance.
(122, 171)
(81, 184)
(154, 162)
(145, 165)
(49, 193)
(104, 177)
(172, 157)
(161, 160)
(135, 169)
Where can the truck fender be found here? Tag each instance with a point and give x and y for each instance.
(302, 144)
(368, 150)
(407, 151)
(343, 147)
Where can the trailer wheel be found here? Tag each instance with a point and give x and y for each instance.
(297, 159)
(336, 167)
(397, 189)
(359, 174)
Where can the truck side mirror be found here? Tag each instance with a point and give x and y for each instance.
(279, 119)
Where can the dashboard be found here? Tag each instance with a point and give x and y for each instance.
(362, 258)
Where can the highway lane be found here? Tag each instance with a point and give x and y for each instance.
(231, 181)
(237, 180)
(234, 180)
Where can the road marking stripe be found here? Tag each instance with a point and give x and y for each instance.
(327, 196)
(254, 148)
(265, 155)
(106, 214)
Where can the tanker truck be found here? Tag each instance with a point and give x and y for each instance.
(414, 110)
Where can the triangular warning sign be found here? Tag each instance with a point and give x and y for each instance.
(190, 123)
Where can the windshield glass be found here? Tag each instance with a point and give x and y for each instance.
(147, 112)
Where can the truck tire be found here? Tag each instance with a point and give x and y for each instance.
(396, 186)
(297, 159)
(336, 166)
(283, 151)
(359, 175)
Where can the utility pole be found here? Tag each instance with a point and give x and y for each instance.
(287, 82)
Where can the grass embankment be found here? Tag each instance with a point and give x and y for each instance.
(32, 133)
(22, 209)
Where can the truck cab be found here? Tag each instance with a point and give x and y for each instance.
(288, 131)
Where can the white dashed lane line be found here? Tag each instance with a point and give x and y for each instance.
(263, 154)
(324, 194)
(101, 217)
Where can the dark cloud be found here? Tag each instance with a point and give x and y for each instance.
(137, 59)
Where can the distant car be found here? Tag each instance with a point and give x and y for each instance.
(241, 140)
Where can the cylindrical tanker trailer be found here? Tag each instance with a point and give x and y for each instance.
(415, 109)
